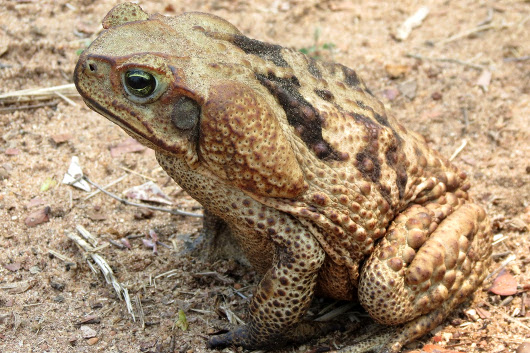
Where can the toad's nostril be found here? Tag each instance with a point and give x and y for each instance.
(92, 67)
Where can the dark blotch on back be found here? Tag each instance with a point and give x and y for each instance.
(313, 69)
(399, 167)
(266, 51)
(368, 157)
(393, 152)
(324, 94)
(305, 119)
(350, 77)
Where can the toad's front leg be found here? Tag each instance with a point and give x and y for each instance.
(284, 293)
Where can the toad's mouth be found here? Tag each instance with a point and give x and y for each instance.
(107, 114)
(148, 140)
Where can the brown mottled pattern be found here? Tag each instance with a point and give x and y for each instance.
(324, 191)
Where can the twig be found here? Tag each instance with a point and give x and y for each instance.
(500, 254)
(87, 235)
(133, 172)
(140, 310)
(155, 208)
(503, 265)
(488, 19)
(468, 32)
(449, 60)
(458, 150)
(66, 99)
(498, 238)
(33, 106)
(336, 312)
(508, 317)
(522, 58)
(106, 186)
(215, 275)
(523, 304)
(65, 259)
(35, 94)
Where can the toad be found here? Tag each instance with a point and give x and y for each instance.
(324, 190)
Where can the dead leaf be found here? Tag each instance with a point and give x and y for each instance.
(128, 146)
(432, 348)
(126, 243)
(396, 70)
(34, 202)
(89, 319)
(14, 267)
(143, 213)
(74, 175)
(153, 242)
(61, 138)
(21, 287)
(148, 192)
(413, 21)
(37, 217)
(390, 93)
(431, 114)
(505, 284)
(484, 80)
(483, 313)
(96, 215)
(408, 89)
(12, 151)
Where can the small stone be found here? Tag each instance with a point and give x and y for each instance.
(436, 96)
(523, 348)
(57, 286)
(34, 270)
(397, 70)
(88, 332)
(58, 299)
(72, 340)
(92, 341)
(408, 89)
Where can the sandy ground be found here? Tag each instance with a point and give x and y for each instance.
(472, 85)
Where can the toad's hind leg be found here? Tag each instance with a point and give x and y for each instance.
(432, 258)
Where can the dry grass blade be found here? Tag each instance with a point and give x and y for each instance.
(458, 150)
(68, 261)
(105, 269)
(449, 60)
(39, 94)
(125, 202)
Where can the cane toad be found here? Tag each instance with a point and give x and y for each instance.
(325, 192)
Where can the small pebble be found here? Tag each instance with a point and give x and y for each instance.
(92, 341)
(524, 347)
(436, 96)
(88, 332)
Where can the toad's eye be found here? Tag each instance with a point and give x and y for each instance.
(139, 83)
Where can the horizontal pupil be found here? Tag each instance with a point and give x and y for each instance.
(139, 82)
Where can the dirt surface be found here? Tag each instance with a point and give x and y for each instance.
(48, 304)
